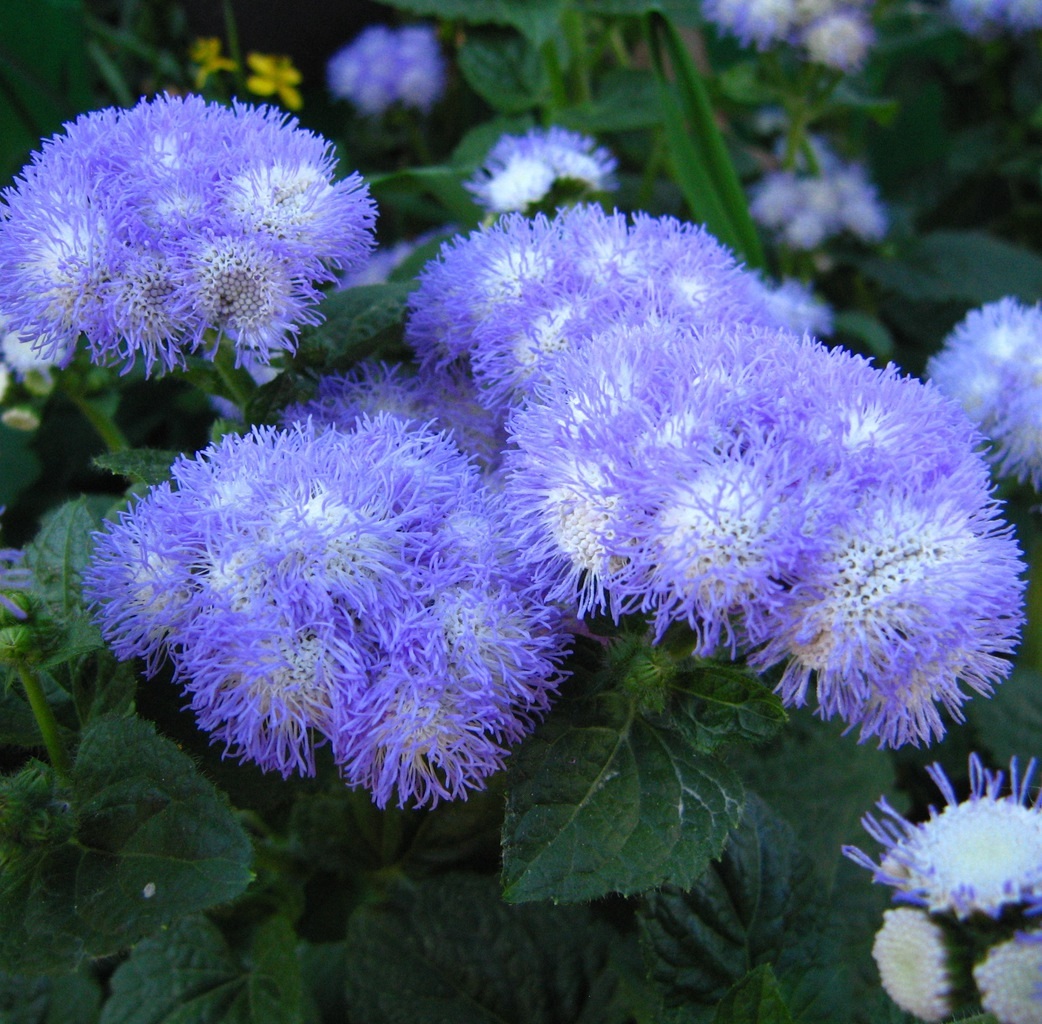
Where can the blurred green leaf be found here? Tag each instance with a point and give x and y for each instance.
(535, 19)
(963, 266)
(868, 330)
(153, 841)
(756, 999)
(504, 70)
(66, 999)
(624, 100)
(453, 951)
(1010, 724)
(602, 800)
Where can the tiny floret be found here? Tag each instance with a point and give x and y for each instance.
(912, 958)
(982, 855)
(1010, 979)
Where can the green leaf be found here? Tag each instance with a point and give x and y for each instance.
(959, 266)
(1010, 724)
(68, 999)
(153, 841)
(145, 465)
(59, 553)
(756, 999)
(602, 800)
(680, 12)
(821, 782)
(725, 704)
(504, 70)
(535, 19)
(455, 952)
(189, 975)
(625, 100)
(702, 166)
(868, 330)
(354, 320)
(760, 903)
(475, 145)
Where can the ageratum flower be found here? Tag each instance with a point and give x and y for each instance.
(913, 960)
(987, 19)
(370, 388)
(521, 170)
(835, 33)
(153, 230)
(358, 589)
(507, 300)
(385, 66)
(991, 364)
(982, 855)
(805, 210)
(781, 499)
(1009, 979)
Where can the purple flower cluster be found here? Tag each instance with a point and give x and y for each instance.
(154, 229)
(371, 388)
(522, 170)
(385, 66)
(835, 33)
(803, 211)
(506, 301)
(783, 500)
(991, 364)
(358, 589)
(989, 18)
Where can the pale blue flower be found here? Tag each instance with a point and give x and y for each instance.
(384, 66)
(153, 230)
(354, 589)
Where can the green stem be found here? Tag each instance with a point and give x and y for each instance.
(558, 87)
(575, 33)
(232, 378)
(103, 424)
(45, 720)
(232, 32)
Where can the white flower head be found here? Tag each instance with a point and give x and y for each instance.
(982, 855)
(910, 952)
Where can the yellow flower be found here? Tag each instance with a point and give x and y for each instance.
(206, 52)
(273, 74)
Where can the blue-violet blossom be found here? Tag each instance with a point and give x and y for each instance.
(991, 364)
(521, 170)
(384, 66)
(359, 589)
(153, 229)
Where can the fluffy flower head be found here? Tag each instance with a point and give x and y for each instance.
(978, 856)
(1010, 979)
(912, 958)
(152, 230)
(521, 170)
(383, 66)
(991, 364)
(355, 589)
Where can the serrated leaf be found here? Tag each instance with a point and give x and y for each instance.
(58, 554)
(756, 999)
(760, 903)
(625, 100)
(535, 19)
(145, 465)
(820, 782)
(153, 841)
(504, 70)
(353, 318)
(969, 267)
(456, 953)
(724, 704)
(601, 801)
(189, 975)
